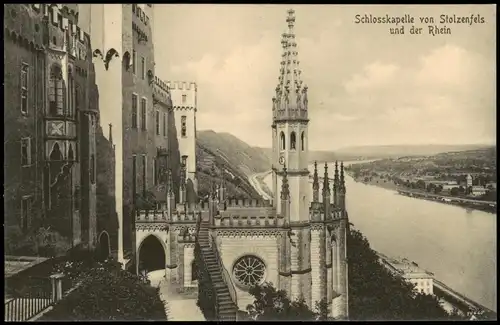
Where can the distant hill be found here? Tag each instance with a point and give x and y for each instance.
(239, 160)
(394, 151)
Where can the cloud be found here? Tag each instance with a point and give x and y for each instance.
(365, 87)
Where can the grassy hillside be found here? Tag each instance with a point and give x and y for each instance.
(232, 158)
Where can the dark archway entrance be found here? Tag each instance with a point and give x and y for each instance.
(151, 255)
(194, 271)
(191, 196)
(103, 247)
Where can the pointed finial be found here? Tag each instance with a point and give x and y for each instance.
(342, 180)
(169, 181)
(336, 177)
(326, 183)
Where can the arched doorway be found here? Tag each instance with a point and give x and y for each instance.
(191, 196)
(103, 248)
(151, 255)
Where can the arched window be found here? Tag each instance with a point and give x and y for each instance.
(302, 141)
(56, 154)
(293, 141)
(282, 141)
(56, 91)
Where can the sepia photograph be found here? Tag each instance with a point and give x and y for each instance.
(250, 162)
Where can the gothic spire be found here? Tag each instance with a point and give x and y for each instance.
(315, 183)
(291, 94)
(326, 183)
(285, 189)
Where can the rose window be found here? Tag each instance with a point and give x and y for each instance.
(249, 270)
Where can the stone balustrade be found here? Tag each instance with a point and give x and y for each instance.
(258, 218)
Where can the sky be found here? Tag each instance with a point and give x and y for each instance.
(366, 86)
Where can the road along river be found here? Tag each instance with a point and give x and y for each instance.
(456, 244)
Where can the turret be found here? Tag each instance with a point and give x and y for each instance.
(110, 133)
(336, 185)
(182, 187)
(315, 183)
(326, 194)
(222, 188)
(285, 197)
(170, 194)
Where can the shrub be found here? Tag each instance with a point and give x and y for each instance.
(106, 292)
(273, 304)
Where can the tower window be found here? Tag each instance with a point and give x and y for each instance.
(164, 124)
(134, 111)
(56, 91)
(293, 141)
(184, 98)
(134, 62)
(184, 160)
(143, 68)
(282, 141)
(143, 114)
(25, 151)
(302, 141)
(157, 122)
(24, 88)
(26, 212)
(183, 126)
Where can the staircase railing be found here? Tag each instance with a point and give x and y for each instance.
(225, 274)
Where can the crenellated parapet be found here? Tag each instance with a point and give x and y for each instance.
(24, 25)
(317, 214)
(161, 92)
(183, 95)
(248, 217)
(233, 203)
(140, 24)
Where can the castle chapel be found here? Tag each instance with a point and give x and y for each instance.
(297, 242)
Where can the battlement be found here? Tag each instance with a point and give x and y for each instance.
(317, 212)
(161, 91)
(182, 85)
(249, 217)
(54, 12)
(139, 13)
(246, 203)
(162, 216)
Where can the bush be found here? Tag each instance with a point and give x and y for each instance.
(272, 304)
(106, 292)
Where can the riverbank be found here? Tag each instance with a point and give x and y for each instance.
(419, 194)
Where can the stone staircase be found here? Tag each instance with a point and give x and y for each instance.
(225, 306)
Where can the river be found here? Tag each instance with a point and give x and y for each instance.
(456, 244)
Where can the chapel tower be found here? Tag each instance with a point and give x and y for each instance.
(290, 129)
(290, 165)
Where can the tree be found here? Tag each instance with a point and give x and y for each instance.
(106, 292)
(454, 191)
(377, 294)
(273, 304)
